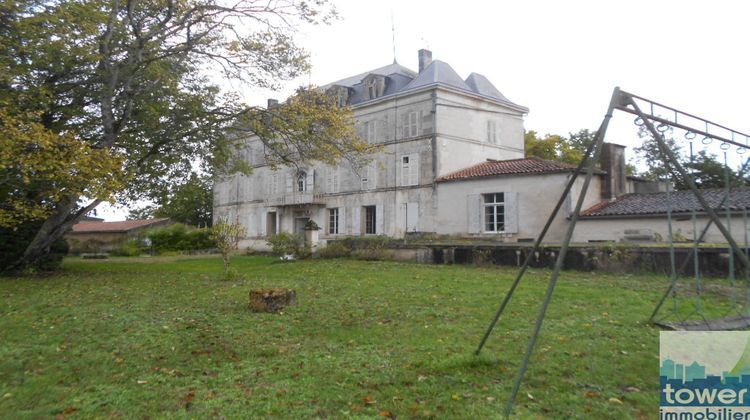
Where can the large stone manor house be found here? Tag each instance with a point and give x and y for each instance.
(452, 162)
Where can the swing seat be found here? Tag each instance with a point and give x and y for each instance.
(719, 324)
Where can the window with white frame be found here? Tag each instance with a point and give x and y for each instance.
(410, 169)
(491, 132)
(333, 221)
(370, 131)
(494, 212)
(370, 220)
(302, 182)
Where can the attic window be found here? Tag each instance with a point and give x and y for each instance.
(340, 93)
(374, 86)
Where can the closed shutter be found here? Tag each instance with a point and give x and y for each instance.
(263, 223)
(412, 217)
(289, 183)
(379, 219)
(412, 124)
(474, 213)
(405, 125)
(342, 220)
(511, 212)
(414, 169)
(310, 181)
(329, 181)
(372, 175)
(356, 225)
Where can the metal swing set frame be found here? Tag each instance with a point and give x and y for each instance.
(656, 119)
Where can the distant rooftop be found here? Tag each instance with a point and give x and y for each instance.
(122, 226)
(490, 168)
(681, 202)
(399, 79)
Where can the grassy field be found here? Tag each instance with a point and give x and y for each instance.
(165, 337)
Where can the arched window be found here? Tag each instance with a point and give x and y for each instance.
(302, 182)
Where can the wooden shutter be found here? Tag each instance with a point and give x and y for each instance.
(414, 169)
(372, 175)
(511, 212)
(356, 224)
(310, 181)
(289, 182)
(412, 217)
(405, 125)
(263, 223)
(342, 220)
(379, 220)
(474, 213)
(329, 180)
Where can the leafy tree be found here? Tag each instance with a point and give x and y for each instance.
(129, 78)
(190, 203)
(552, 147)
(705, 168)
(581, 140)
(39, 167)
(227, 238)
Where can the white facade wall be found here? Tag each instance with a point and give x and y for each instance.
(613, 229)
(535, 197)
(462, 137)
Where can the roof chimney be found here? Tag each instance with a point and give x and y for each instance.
(613, 162)
(425, 58)
(272, 103)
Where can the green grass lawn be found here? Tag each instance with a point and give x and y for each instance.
(164, 337)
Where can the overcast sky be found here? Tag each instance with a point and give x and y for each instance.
(561, 59)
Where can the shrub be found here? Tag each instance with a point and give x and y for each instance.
(334, 249)
(227, 237)
(179, 237)
(199, 239)
(129, 248)
(286, 243)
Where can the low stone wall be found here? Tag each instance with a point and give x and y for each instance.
(607, 258)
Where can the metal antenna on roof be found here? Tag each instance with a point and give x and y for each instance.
(393, 36)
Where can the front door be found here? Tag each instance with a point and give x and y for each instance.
(299, 224)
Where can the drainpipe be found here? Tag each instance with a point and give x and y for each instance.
(433, 140)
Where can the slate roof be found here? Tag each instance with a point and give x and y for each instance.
(530, 165)
(658, 203)
(113, 227)
(400, 79)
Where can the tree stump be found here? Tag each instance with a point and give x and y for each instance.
(272, 300)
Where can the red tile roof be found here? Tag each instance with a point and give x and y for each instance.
(530, 165)
(123, 226)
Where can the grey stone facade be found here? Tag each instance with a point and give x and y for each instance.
(429, 124)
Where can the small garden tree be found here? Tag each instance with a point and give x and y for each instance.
(227, 237)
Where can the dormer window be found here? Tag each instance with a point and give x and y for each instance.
(340, 93)
(373, 86)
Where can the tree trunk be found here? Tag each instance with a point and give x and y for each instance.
(57, 224)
